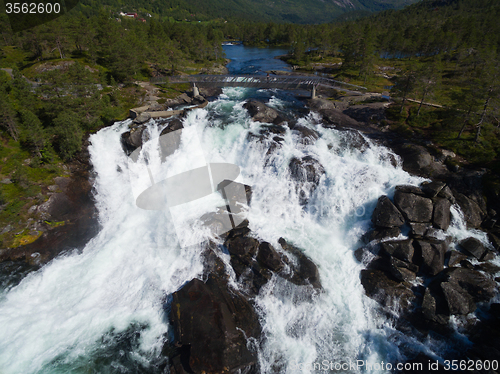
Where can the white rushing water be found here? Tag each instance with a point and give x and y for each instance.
(73, 314)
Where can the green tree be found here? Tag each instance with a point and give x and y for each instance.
(32, 134)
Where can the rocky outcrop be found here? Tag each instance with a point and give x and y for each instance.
(454, 285)
(337, 119)
(261, 112)
(74, 211)
(417, 160)
(212, 325)
(255, 262)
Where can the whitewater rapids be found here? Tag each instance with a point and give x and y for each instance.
(102, 309)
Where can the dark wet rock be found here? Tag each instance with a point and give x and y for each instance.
(260, 112)
(401, 249)
(383, 233)
(386, 214)
(488, 267)
(267, 130)
(457, 299)
(479, 286)
(466, 264)
(307, 135)
(494, 240)
(488, 256)
(362, 253)
(131, 140)
(57, 207)
(418, 230)
(388, 292)
(269, 258)
(408, 188)
(415, 158)
(431, 256)
(455, 257)
(307, 171)
(432, 189)
(307, 272)
(415, 208)
(242, 246)
(211, 326)
(473, 214)
(401, 271)
(335, 118)
(353, 139)
(473, 247)
(441, 216)
(434, 307)
(447, 194)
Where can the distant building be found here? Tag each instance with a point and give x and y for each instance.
(134, 15)
(142, 20)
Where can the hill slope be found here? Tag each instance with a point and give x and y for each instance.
(295, 11)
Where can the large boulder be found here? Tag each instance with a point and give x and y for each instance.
(441, 216)
(260, 112)
(212, 325)
(307, 271)
(133, 139)
(386, 214)
(455, 291)
(415, 208)
(401, 249)
(319, 104)
(415, 157)
(432, 256)
(473, 214)
(307, 171)
(388, 292)
(457, 299)
(335, 118)
(479, 286)
(473, 247)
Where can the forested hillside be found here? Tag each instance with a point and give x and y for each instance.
(295, 11)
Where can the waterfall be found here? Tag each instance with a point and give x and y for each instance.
(102, 309)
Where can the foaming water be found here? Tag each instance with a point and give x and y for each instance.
(102, 310)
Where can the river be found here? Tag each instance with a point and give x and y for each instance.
(102, 310)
